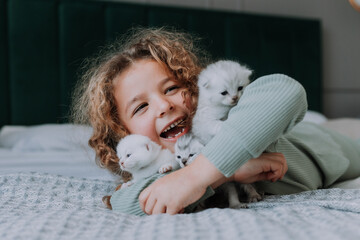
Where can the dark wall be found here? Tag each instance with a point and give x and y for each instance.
(43, 43)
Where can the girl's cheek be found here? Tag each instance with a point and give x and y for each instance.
(147, 128)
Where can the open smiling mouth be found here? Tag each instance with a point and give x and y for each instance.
(176, 129)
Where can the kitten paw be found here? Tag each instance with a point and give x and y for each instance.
(239, 206)
(127, 184)
(254, 197)
(165, 169)
(106, 201)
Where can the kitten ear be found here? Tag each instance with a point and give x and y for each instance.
(248, 72)
(204, 83)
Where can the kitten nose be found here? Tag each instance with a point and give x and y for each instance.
(235, 98)
(184, 161)
(122, 164)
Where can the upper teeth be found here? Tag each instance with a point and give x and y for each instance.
(173, 125)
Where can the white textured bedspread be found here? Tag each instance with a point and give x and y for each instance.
(43, 206)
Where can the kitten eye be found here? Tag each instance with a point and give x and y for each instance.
(224, 93)
(178, 157)
(140, 107)
(128, 155)
(240, 88)
(191, 154)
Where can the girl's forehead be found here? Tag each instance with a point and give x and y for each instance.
(141, 72)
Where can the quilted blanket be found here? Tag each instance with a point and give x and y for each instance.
(44, 206)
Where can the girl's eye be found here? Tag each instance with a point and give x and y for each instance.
(224, 93)
(240, 88)
(140, 107)
(172, 88)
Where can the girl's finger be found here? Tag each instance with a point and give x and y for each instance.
(282, 159)
(150, 204)
(282, 167)
(144, 195)
(272, 177)
(159, 208)
(172, 210)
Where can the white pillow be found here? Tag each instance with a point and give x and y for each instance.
(9, 135)
(47, 137)
(314, 117)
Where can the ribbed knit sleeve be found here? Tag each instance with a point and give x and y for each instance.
(269, 107)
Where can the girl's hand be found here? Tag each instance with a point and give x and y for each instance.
(175, 191)
(171, 193)
(268, 166)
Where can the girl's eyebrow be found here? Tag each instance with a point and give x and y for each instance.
(165, 80)
(133, 100)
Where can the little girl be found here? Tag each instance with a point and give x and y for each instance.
(147, 85)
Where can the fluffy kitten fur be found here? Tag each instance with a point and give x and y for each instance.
(221, 85)
(187, 148)
(231, 195)
(142, 157)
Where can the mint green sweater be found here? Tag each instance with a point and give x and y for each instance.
(264, 121)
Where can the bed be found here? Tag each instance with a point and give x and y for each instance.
(50, 186)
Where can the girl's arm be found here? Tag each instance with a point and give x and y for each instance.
(269, 107)
(177, 190)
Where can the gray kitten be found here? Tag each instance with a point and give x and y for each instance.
(187, 148)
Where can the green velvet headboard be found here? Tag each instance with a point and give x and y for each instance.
(43, 42)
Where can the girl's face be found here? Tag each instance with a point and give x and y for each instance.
(150, 103)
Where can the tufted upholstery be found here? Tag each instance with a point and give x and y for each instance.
(43, 42)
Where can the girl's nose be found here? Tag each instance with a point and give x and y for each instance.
(164, 106)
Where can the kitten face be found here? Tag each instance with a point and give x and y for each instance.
(187, 148)
(222, 82)
(136, 151)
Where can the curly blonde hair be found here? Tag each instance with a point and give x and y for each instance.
(93, 100)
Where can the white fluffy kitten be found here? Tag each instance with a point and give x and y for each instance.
(142, 157)
(221, 85)
(187, 148)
